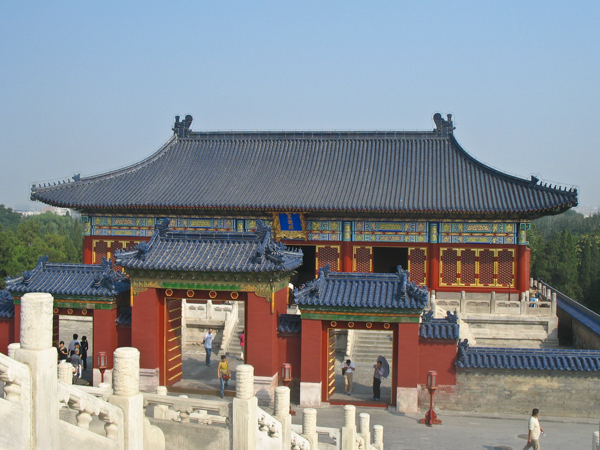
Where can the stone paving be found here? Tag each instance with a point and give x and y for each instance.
(463, 431)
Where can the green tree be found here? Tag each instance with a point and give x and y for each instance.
(8, 218)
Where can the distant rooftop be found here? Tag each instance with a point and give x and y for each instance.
(424, 173)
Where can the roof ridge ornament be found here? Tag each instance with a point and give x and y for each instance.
(443, 128)
(182, 129)
(162, 226)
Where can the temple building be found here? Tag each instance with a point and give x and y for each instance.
(358, 201)
(363, 224)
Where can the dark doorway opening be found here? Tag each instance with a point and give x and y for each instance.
(387, 259)
(306, 272)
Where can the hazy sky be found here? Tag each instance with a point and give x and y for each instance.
(86, 87)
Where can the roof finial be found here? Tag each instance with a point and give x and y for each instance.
(443, 127)
(182, 129)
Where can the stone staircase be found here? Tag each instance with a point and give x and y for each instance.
(368, 345)
(233, 349)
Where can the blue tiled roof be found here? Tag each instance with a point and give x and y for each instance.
(7, 305)
(388, 172)
(211, 252)
(124, 317)
(362, 290)
(533, 359)
(439, 329)
(70, 279)
(290, 323)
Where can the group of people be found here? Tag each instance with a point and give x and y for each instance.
(75, 354)
(348, 369)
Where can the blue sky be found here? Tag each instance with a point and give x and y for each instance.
(87, 87)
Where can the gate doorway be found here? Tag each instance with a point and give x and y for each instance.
(227, 320)
(387, 259)
(362, 346)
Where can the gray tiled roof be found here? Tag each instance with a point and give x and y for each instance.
(385, 172)
(534, 359)
(362, 290)
(95, 280)
(7, 305)
(289, 323)
(211, 252)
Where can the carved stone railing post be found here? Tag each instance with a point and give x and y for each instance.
(493, 303)
(364, 424)
(127, 396)
(245, 406)
(12, 348)
(37, 352)
(553, 305)
(282, 413)
(309, 427)
(65, 373)
(378, 437)
(209, 309)
(349, 428)
(160, 411)
(463, 302)
(523, 308)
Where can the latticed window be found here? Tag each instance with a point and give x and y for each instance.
(362, 259)
(417, 260)
(467, 267)
(328, 255)
(100, 251)
(486, 267)
(449, 266)
(505, 267)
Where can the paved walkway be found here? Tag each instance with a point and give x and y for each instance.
(462, 431)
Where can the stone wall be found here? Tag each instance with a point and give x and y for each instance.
(506, 391)
(583, 337)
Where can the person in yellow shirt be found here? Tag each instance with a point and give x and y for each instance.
(223, 374)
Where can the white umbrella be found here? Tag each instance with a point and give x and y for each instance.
(385, 366)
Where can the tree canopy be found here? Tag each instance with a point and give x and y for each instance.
(565, 253)
(24, 240)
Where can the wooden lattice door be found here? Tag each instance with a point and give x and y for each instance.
(173, 362)
(330, 364)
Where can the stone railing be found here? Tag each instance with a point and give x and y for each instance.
(231, 320)
(89, 406)
(544, 307)
(185, 410)
(15, 407)
(334, 434)
(269, 433)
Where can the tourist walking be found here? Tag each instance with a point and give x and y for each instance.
(533, 438)
(377, 374)
(208, 338)
(72, 344)
(242, 341)
(223, 374)
(76, 362)
(348, 369)
(84, 351)
(63, 353)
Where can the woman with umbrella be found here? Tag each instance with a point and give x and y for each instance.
(382, 370)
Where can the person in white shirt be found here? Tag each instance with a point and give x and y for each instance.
(533, 439)
(348, 369)
(208, 338)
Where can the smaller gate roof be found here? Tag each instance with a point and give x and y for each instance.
(211, 251)
(7, 305)
(96, 280)
(362, 290)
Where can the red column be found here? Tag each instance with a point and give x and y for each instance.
(347, 257)
(105, 335)
(88, 249)
(433, 274)
(17, 324)
(261, 333)
(407, 355)
(148, 330)
(523, 269)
